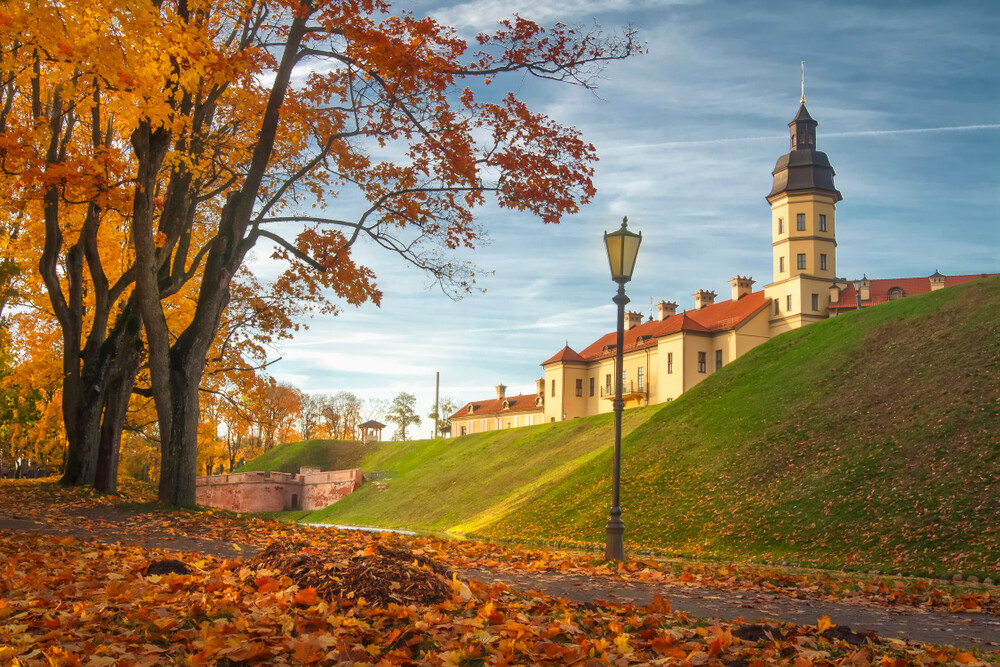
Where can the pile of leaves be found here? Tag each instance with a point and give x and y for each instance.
(378, 574)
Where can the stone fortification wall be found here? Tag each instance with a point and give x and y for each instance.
(275, 491)
(320, 489)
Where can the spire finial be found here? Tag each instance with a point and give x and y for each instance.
(803, 100)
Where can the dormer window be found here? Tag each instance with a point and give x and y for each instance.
(505, 405)
(472, 409)
(896, 293)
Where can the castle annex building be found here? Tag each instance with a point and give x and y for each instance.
(666, 356)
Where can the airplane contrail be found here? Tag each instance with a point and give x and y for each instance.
(824, 135)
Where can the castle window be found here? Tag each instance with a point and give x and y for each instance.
(642, 378)
(579, 387)
(800, 260)
(781, 225)
(895, 293)
(815, 301)
(788, 302)
(591, 386)
(777, 308)
(670, 362)
(553, 388)
(781, 265)
(822, 222)
(702, 362)
(800, 222)
(607, 384)
(822, 262)
(718, 359)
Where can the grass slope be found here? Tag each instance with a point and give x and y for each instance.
(869, 441)
(325, 454)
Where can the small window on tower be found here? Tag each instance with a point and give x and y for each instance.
(788, 302)
(822, 262)
(815, 301)
(800, 260)
(822, 223)
(800, 222)
(781, 225)
(781, 265)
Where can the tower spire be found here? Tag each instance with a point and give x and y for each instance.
(803, 100)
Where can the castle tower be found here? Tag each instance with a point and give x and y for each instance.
(803, 228)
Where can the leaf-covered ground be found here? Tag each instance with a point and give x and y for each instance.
(69, 599)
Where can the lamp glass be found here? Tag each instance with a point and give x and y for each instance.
(623, 248)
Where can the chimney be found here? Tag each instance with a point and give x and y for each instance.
(703, 298)
(632, 320)
(741, 286)
(865, 290)
(665, 309)
(937, 280)
(540, 386)
(501, 390)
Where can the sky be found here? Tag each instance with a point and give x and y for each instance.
(907, 97)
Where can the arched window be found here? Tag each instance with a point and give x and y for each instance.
(896, 293)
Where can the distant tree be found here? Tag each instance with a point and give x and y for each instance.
(447, 407)
(347, 407)
(310, 411)
(402, 413)
(374, 409)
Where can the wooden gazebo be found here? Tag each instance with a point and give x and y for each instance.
(371, 431)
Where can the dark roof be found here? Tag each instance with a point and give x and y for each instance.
(803, 168)
(802, 115)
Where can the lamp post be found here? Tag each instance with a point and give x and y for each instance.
(623, 247)
(857, 289)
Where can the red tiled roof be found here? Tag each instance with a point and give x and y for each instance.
(565, 354)
(720, 316)
(878, 290)
(494, 406)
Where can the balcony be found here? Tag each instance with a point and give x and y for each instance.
(631, 390)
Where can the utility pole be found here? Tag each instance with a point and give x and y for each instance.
(437, 403)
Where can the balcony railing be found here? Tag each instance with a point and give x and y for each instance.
(630, 389)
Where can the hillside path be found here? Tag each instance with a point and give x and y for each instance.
(908, 623)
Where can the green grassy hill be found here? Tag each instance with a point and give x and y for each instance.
(325, 454)
(869, 441)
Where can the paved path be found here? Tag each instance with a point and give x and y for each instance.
(900, 622)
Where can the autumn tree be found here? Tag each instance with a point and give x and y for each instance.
(173, 130)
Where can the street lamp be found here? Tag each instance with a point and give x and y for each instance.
(623, 247)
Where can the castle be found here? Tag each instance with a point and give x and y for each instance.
(666, 356)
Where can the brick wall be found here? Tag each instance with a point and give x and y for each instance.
(276, 491)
